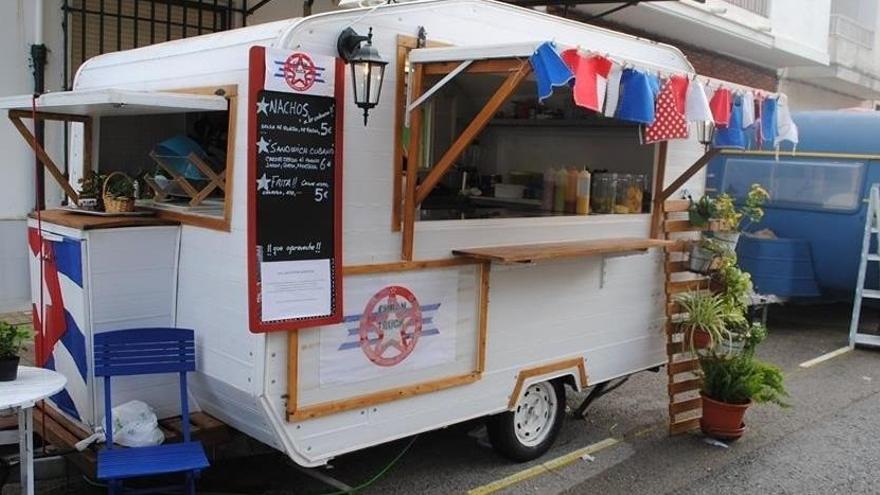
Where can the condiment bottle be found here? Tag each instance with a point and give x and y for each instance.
(571, 188)
(559, 192)
(547, 197)
(583, 192)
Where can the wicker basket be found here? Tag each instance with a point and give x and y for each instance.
(113, 204)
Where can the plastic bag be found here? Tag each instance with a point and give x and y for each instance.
(135, 425)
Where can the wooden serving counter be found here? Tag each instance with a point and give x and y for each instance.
(530, 253)
(81, 221)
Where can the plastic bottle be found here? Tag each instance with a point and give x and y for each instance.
(583, 192)
(559, 191)
(549, 183)
(571, 191)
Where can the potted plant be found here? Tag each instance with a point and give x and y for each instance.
(730, 386)
(118, 193)
(704, 255)
(701, 212)
(704, 322)
(730, 217)
(12, 339)
(90, 191)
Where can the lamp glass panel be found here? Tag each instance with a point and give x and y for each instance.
(376, 75)
(359, 73)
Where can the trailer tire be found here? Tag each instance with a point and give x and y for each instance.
(529, 430)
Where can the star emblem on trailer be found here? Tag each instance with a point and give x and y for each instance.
(391, 325)
(299, 71)
(263, 107)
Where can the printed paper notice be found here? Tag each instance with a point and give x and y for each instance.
(295, 289)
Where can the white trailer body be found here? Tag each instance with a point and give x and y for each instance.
(601, 316)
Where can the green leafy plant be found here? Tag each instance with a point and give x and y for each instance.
(724, 210)
(735, 285)
(12, 339)
(700, 212)
(707, 312)
(731, 217)
(743, 378)
(121, 186)
(90, 186)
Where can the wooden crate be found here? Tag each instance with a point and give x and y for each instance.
(63, 434)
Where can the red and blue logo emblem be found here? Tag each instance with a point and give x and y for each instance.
(392, 323)
(299, 71)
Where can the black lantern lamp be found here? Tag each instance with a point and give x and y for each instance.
(705, 132)
(367, 67)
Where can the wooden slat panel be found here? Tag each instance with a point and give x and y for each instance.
(672, 226)
(673, 308)
(685, 386)
(679, 286)
(684, 406)
(675, 348)
(676, 205)
(677, 267)
(684, 366)
(678, 246)
(684, 426)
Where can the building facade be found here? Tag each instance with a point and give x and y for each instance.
(822, 53)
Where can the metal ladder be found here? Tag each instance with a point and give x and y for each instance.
(872, 227)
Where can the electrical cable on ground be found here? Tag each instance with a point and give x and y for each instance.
(378, 475)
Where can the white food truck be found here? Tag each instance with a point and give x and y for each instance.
(373, 258)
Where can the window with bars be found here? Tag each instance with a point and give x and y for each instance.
(94, 27)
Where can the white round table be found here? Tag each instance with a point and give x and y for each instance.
(20, 395)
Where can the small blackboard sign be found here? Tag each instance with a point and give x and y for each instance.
(295, 184)
(294, 195)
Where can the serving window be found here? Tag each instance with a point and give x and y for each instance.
(524, 159)
(531, 159)
(180, 160)
(177, 145)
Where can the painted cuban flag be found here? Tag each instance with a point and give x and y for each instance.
(62, 345)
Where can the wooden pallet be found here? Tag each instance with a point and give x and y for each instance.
(63, 434)
(685, 405)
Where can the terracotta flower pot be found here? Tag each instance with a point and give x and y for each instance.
(700, 338)
(722, 420)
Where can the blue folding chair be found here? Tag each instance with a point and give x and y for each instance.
(144, 351)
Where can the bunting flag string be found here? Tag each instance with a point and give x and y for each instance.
(620, 90)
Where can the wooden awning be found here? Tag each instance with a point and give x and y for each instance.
(113, 102)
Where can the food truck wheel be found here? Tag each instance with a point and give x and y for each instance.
(531, 428)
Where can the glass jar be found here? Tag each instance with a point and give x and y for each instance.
(641, 180)
(621, 189)
(602, 195)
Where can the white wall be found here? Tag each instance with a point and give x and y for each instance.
(17, 169)
(804, 96)
(800, 26)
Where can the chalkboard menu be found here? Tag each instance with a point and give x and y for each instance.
(295, 155)
(294, 199)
